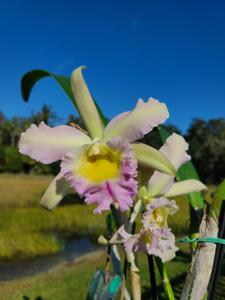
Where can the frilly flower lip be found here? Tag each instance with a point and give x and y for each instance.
(103, 174)
(157, 212)
(152, 240)
(106, 177)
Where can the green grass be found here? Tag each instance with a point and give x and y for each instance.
(72, 281)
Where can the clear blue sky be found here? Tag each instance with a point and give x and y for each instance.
(171, 50)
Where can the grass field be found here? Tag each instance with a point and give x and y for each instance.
(27, 230)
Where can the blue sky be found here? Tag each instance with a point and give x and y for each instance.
(171, 50)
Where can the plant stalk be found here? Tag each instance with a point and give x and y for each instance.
(165, 279)
(152, 277)
(122, 219)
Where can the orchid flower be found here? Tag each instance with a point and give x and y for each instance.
(161, 186)
(100, 166)
(152, 240)
(155, 237)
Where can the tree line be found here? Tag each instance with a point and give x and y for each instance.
(206, 144)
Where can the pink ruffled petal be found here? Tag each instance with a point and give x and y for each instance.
(46, 144)
(166, 249)
(152, 240)
(161, 243)
(149, 247)
(132, 243)
(135, 124)
(119, 191)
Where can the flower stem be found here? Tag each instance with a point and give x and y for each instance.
(122, 219)
(165, 279)
(152, 277)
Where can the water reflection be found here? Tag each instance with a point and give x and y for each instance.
(73, 249)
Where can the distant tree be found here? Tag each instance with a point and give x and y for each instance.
(153, 138)
(2, 120)
(207, 148)
(10, 130)
(2, 155)
(12, 160)
(75, 120)
(46, 114)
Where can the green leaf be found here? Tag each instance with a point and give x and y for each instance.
(29, 80)
(218, 197)
(187, 171)
(220, 191)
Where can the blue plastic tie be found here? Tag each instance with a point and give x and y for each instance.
(203, 240)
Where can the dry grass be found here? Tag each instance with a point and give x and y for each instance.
(22, 190)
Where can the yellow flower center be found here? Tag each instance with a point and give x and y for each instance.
(99, 163)
(159, 216)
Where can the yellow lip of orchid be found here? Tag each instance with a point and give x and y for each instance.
(99, 163)
(159, 216)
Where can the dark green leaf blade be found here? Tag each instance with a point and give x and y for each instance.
(29, 80)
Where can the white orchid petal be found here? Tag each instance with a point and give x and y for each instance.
(120, 236)
(116, 119)
(159, 184)
(185, 187)
(46, 144)
(85, 104)
(175, 149)
(135, 124)
(148, 156)
(55, 192)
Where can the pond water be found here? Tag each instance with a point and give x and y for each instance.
(73, 249)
